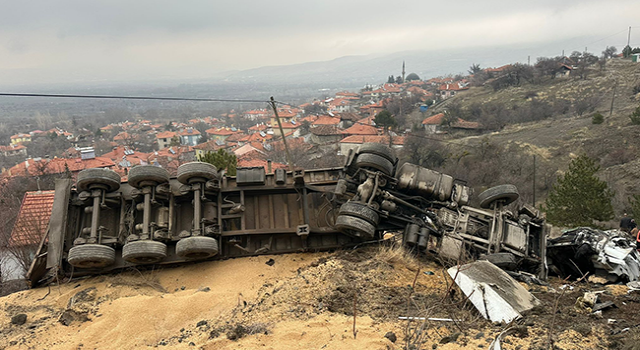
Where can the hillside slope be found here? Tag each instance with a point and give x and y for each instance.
(556, 139)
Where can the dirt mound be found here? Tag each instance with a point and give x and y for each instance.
(299, 301)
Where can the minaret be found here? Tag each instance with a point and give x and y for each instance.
(403, 71)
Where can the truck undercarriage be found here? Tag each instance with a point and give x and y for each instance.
(101, 224)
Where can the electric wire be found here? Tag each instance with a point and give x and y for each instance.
(114, 97)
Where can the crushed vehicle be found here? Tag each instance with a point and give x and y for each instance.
(609, 254)
(101, 224)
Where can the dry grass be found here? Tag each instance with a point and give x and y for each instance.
(137, 279)
(394, 253)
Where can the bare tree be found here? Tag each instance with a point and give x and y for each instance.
(25, 239)
(609, 52)
(43, 121)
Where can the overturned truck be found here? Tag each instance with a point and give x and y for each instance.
(101, 224)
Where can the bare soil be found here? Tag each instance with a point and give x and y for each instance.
(302, 301)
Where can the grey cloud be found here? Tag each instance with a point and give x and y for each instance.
(100, 38)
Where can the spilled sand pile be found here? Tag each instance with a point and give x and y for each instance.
(296, 301)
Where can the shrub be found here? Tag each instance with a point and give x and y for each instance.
(597, 118)
(635, 117)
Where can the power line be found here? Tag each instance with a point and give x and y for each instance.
(112, 97)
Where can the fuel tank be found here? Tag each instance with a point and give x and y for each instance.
(430, 184)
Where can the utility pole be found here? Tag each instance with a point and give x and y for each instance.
(272, 102)
(629, 36)
(613, 98)
(534, 180)
(528, 60)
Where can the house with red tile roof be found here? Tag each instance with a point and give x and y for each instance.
(236, 138)
(170, 158)
(372, 109)
(256, 114)
(108, 128)
(249, 161)
(29, 228)
(165, 138)
(258, 128)
(355, 141)
(415, 90)
(209, 146)
(324, 134)
(189, 136)
(125, 138)
(347, 119)
(309, 119)
(340, 105)
(33, 218)
(13, 150)
(286, 115)
(221, 134)
(386, 90)
(260, 137)
(325, 120)
(361, 129)
(347, 94)
(20, 138)
(39, 166)
(367, 121)
(247, 149)
(124, 157)
(290, 129)
(434, 125)
(446, 91)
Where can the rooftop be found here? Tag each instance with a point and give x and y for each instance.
(33, 218)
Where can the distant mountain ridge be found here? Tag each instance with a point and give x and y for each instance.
(374, 69)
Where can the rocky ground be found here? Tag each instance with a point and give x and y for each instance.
(301, 301)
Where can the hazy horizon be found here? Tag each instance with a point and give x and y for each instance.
(119, 41)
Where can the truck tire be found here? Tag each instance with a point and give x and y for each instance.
(89, 179)
(507, 193)
(144, 252)
(147, 175)
(378, 149)
(359, 210)
(505, 261)
(355, 227)
(197, 247)
(374, 162)
(89, 256)
(196, 172)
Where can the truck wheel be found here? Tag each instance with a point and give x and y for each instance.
(355, 227)
(379, 149)
(361, 211)
(506, 193)
(505, 261)
(374, 162)
(196, 172)
(89, 256)
(197, 247)
(144, 252)
(147, 175)
(89, 179)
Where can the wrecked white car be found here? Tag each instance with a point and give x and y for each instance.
(608, 254)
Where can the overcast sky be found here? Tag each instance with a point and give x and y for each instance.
(92, 40)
